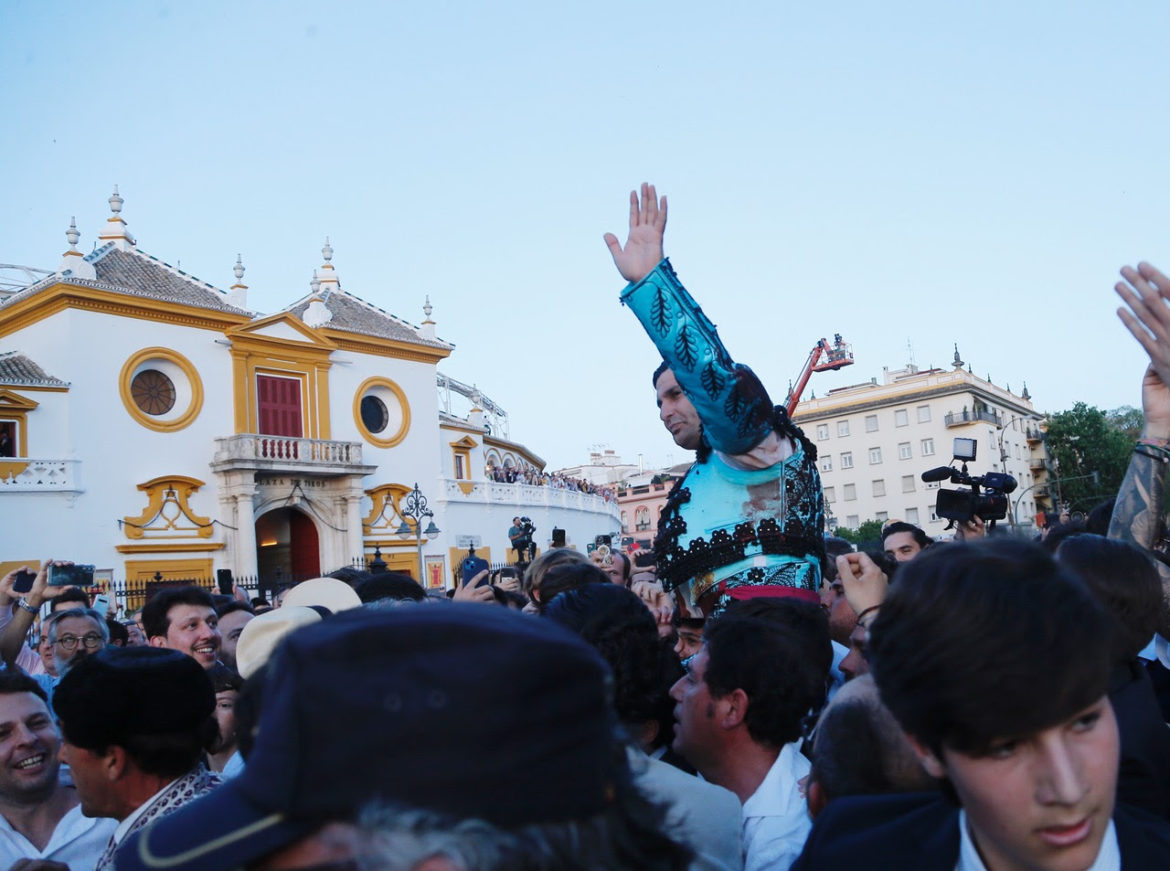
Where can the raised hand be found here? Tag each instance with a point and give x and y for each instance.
(864, 582)
(1146, 292)
(643, 248)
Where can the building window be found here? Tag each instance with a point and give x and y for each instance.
(850, 492)
(830, 494)
(882, 516)
(851, 522)
(907, 483)
(879, 487)
(875, 456)
(460, 466)
(924, 414)
(933, 516)
(625, 522)
(822, 432)
(871, 423)
(375, 415)
(904, 451)
(847, 460)
(642, 519)
(901, 417)
(826, 463)
(842, 428)
(912, 516)
(153, 392)
(928, 447)
(8, 438)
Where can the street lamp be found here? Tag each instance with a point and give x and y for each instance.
(414, 507)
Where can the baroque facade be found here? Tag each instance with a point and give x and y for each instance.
(151, 424)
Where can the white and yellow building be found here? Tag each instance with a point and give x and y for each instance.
(151, 424)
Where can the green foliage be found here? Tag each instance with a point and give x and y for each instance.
(1127, 420)
(1084, 440)
(868, 533)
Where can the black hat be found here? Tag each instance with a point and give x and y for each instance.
(119, 692)
(460, 709)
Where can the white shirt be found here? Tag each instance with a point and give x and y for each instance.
(78, 841)
(775, 819)
(1108, 857)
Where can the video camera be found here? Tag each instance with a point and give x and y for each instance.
(987, 496)
(527, 527)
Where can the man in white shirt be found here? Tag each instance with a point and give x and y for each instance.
(739, 711)
(40, 815)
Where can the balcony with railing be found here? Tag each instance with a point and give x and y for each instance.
(31, 475)
(521, 496)
(960, 418)
(289, 454)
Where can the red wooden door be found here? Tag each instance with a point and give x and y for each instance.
(279, 403)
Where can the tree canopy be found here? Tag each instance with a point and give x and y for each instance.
(1085, 440)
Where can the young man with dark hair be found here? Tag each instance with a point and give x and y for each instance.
(136, 721)
(1125, 582)
(233, 617)
(184, 619)
(740, 710)
(40, 815)
(903, 541)
(995, 662)
(860, 749)
(748, 517)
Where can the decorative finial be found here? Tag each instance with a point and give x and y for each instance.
(71, 234)
(116, 201)
(315, 283)
(327, 251)
(427, 309)
(957, 362)
(1025, 394)
(969, 372)
(989, 378)
(1009, 388)
(238, 269)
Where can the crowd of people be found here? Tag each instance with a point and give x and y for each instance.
(760, 697)
(536, 478)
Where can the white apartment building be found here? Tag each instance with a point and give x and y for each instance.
(875, 440)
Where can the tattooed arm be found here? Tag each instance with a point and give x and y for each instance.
(1139, 513)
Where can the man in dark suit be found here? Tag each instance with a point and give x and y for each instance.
(995, 661)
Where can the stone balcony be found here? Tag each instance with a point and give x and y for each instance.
(31, 475)
(522, 496)
(268, 453)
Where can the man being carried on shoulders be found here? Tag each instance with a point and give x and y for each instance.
(748, 518)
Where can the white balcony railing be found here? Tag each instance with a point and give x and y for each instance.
(39, 476)
(249, 450)
(527, 496)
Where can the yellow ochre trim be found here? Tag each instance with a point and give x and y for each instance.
(375, 440)
(193, 379)
(170, 547)
(156, 491)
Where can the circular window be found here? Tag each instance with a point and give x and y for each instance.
(375, 416)
(153, 392)
(381, 412)
(161, 389)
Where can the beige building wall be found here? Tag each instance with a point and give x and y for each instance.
(874, 440)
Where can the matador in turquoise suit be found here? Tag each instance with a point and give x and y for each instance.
(747, 520)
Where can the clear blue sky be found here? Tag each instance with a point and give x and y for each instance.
(898, 172)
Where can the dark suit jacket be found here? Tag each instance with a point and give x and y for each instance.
(1144, 780)
(921, 831)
